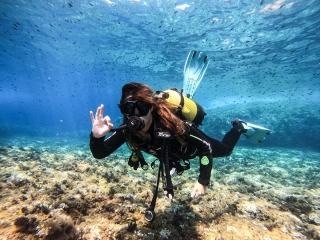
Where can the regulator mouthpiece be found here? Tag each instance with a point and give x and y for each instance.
(135, 124)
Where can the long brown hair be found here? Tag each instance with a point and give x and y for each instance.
(163, 111)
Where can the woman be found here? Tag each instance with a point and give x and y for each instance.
(144, 114)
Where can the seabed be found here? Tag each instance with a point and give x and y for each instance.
(57, 190)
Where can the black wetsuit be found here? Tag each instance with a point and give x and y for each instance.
(198, 144)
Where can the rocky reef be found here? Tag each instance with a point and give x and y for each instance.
(58, 191)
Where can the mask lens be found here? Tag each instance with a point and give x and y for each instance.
(135, 108)
(143, 107)
(127, 108)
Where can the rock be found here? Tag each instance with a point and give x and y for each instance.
(314, 217)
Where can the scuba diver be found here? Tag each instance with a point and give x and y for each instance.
(151, 125)
(158, 123)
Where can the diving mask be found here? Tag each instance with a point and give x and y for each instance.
(132, 107)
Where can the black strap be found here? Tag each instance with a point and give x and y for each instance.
(167, 183)
(149, 214)
(164, 166)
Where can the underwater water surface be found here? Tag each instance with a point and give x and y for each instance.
(61, 59)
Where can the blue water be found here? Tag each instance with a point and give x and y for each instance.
(61, 59)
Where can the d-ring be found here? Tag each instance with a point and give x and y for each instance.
(149, 215)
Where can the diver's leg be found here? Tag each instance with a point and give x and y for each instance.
(225, 147)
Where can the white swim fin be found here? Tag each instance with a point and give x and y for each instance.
(254, 133)
(194, 70)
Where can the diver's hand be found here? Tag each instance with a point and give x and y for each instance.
(198, 190)
(100, 125)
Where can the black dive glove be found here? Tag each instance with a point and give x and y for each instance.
(238, 126)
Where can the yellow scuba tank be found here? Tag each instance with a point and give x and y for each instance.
(189, 109)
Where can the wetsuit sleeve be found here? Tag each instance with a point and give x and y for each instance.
(101, 148)
(203, 145)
